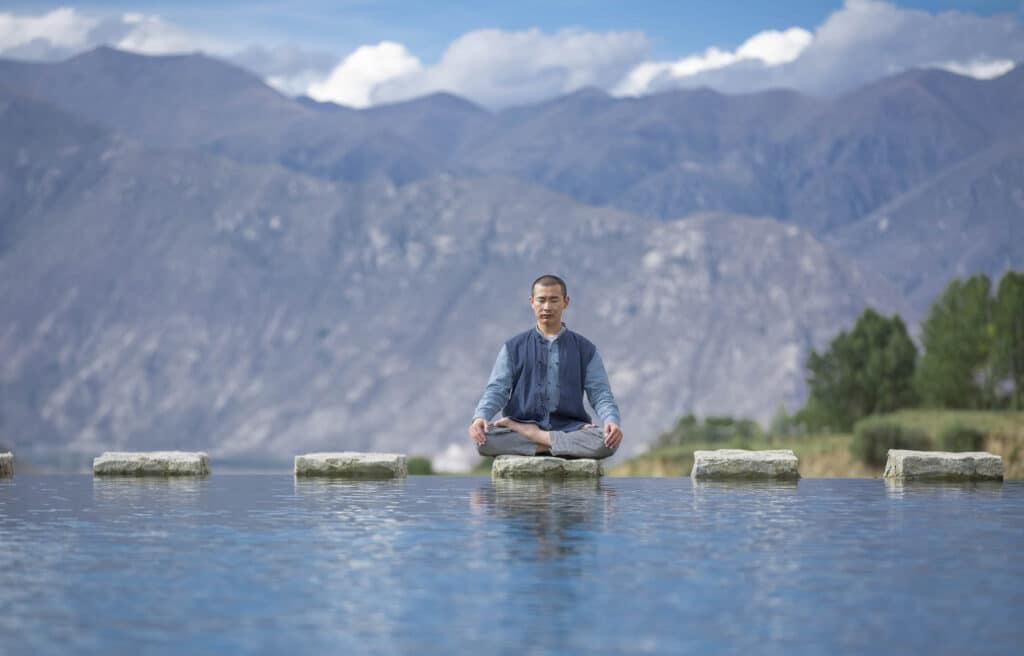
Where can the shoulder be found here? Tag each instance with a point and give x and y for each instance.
(516, 341)
(586, 347)
(583, 341)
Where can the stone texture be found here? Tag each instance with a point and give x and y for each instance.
(352, 464)
(6, 464)
(547, 467)
(152, 463)
(943, 466)
(732, 464)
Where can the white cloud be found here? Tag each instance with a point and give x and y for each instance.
(63, 28)
(353, 81)
(979, 68)
(289, 69)
(497, 68)
(858, 43)
(862, 41)
(152, 35)
(774, 47)
(770, 47)
(65, 31)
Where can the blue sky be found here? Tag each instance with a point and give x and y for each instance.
(363, 52)
(426, 27)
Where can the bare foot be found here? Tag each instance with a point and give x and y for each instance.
(531, 432)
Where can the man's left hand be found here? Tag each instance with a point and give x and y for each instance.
(612, 435)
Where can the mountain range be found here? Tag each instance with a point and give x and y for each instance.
(189, 259)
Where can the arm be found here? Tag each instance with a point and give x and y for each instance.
(495, 395)
(599, 393)
(499, 386)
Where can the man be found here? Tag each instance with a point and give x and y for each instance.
(538, 380)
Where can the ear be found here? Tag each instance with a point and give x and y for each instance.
(566, 301)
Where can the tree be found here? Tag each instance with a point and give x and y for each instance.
(955, 370)
(1008, 350)
(866, 371)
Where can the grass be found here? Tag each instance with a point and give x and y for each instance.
(829, 455)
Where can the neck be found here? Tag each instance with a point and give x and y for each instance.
(549, 329)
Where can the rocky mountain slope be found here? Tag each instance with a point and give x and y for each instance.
(190, 260)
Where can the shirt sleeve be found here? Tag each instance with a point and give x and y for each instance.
(498, 389)
(599, 391)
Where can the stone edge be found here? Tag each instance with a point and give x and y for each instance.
(380, 472)
(204, 460)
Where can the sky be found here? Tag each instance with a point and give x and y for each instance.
(366, 52)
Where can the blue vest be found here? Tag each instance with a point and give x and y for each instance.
(528, 357)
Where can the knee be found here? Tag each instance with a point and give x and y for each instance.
(486, 449)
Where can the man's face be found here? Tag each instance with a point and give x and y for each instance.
(548, 303)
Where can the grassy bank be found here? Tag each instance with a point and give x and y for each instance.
(829, 455)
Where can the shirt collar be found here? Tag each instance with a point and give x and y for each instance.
(560, 332)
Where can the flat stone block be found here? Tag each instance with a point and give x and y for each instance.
(548, 467)
(151, 463)
(943, 466)
(740, 464)
(352, 464)
(6, 465)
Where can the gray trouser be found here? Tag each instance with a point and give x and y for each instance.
(583, 443)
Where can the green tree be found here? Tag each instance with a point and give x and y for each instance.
(866, 371)
(1008, 351)
(955, 370)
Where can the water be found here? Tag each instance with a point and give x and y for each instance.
(265, 564)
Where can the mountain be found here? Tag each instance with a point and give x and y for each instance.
(975, 224)
(166, 101)
(189, 259)
(183, 300)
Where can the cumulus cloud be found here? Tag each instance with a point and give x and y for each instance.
(354, 81)
(770, 48)
(61, 30)
(65, 31)
(861, 42)
(290, 69)
(497, 68)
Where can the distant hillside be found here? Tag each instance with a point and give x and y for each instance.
(189, 259)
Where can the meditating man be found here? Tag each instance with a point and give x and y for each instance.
(538, 380)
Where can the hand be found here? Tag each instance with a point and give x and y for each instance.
(478, 431)
(612, 435)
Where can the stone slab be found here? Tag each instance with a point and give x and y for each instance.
(740, 464)
(943, 466)
(546, 467)
(151, 463)
(6, 465)
(352, 464)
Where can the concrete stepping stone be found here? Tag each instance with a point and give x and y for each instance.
(943, 466)
(547, 467)
(6, 465)
(352, 464)
(740, 464)
(151, 463)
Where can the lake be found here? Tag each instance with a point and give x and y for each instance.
(448, 564)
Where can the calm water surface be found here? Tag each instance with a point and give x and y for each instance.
(265, 564)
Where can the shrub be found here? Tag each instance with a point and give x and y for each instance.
(960, 437)
(873, 438)
(420, 465)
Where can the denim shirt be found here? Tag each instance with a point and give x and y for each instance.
(595, 383)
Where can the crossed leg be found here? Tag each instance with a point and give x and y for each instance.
(516, 438)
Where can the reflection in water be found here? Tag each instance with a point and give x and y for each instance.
(453, 564)
(558, 514)
(898, 489)
(745, 486)
(133, 490)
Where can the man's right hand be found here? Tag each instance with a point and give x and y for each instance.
(478, 431)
